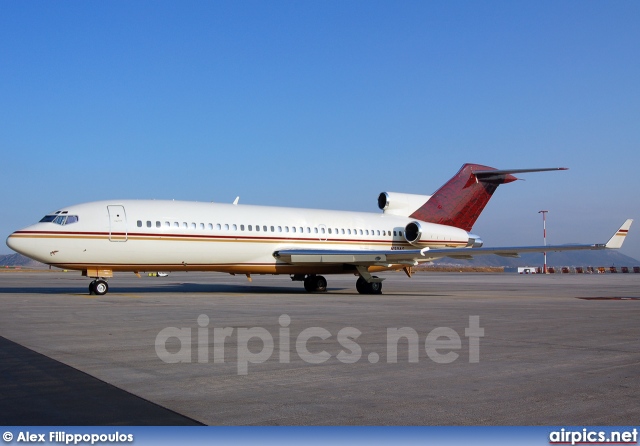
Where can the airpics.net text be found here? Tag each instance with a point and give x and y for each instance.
(256, 345)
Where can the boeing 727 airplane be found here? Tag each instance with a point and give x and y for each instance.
(149, 235)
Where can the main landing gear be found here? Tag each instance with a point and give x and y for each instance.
(315, 284)
(365, 287)
(98, 287)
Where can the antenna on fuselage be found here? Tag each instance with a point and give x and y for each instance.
(236, 200)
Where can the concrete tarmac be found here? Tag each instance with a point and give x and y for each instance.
(557, 349)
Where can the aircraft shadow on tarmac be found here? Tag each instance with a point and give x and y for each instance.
(39, 391)
(189, 287)
(179, 287)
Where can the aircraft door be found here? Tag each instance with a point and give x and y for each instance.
(117, 224)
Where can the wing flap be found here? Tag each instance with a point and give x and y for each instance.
(353, 257)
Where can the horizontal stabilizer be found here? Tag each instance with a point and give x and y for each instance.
(487, 173)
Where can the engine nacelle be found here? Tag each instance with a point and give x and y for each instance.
(396, 203)
(474, 241)
(423, 234)
(413, 232)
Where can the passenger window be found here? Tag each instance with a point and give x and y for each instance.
(250, 228)
(226, 227)
(242, 227)
(210, 227)
(235, 227)
(176, 224)
(158, 224)
(273, 229)
(139, 223)
(329, 230)
(293, 229)
(264, 228)
(201, 225)
(279, 228)
(286, 229)
(185, 225)
(218, 226)
(167, 224)
(257, 228)
(148, 224)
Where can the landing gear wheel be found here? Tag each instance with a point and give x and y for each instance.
(308, 285)
(315, 283)
(321, 283)
(100, 287)
(375, 287)
(368, 288)
(92, 288)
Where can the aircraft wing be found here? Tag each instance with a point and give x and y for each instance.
(412, 257)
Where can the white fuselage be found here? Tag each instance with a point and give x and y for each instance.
(156, 235)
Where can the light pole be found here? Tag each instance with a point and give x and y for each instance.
(544, 236)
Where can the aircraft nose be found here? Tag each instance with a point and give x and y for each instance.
(19, 244)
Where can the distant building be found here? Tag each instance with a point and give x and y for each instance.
(523, 270)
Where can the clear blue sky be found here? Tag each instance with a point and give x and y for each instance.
(324, 104)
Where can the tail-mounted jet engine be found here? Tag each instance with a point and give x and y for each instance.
(415, 234)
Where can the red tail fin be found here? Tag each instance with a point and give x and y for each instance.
(461, 200)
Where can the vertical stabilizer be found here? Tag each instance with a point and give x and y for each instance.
(461, 200)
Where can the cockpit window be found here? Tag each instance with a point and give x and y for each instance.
(60, 219)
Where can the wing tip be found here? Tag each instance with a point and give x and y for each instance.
(616, 241)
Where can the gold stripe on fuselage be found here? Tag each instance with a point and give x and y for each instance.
(227, 239)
